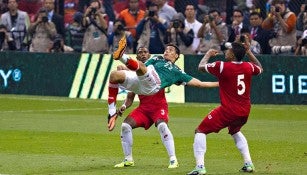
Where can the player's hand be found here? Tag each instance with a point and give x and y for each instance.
(121, 110)
(212, 53)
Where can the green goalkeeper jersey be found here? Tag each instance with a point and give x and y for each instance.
(168, 72)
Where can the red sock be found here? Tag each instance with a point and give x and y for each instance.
(132, 64)
(113, 91)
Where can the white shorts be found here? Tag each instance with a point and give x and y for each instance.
(147, 84)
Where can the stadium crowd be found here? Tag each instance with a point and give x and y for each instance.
(195, 26)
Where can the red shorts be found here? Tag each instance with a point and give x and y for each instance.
(218, 119)
(145, 117)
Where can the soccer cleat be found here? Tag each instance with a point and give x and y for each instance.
(198, 171)
(173, 164)
(248, 168)
(122, 44)
(112, 121)
(124, 163)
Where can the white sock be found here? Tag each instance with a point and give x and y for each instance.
(200, 147)
(242, 146)
(112, 108)
(168, 140)
(124, 58)
(127, 141)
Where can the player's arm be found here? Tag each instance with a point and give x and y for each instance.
(202, 84)
(205, 59)
(127, 103)
(252, 58)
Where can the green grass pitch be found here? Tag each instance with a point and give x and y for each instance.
(55, 135)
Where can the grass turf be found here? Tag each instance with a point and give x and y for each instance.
(53, 135)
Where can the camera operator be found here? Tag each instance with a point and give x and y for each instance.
(6, 42)
(301, 48)
(95, 36)
(59, 46)
(180, 35)
(283, 23)
(151, 30)
(301, 23)
(118, 32)
(42, 32)
(213, 32)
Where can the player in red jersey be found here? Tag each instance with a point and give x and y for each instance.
(152, 109)
(234, 78)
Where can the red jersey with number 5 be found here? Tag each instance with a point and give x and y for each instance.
(234, 84)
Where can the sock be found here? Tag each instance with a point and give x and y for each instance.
(200, 147)
(113, 91)
(168, 140)
(129, 62)
(127, 141)
(242, 146)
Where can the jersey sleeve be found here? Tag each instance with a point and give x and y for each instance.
(255, 69)
(214, 68)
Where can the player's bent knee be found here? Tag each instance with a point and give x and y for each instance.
(162, 126)
(126, 127)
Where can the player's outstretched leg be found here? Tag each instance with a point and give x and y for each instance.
(122, 44)
(113, 91)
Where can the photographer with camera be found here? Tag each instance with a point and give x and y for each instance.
(301, 23)
(213, 32)
(301, 47)
(151, 30)
(118, 32)
(42, 32)
(95, 38)
(283, 23)
(6, 42)
(58, 45)
(180, 35)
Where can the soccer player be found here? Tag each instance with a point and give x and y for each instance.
(147, 78)
(151, 109)
(234, 81)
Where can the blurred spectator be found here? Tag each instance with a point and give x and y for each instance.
(192, 23)
(132, 16)
(75, 32)
(31, 7)
(213, 32)
(151, 31)
(58, 45)
(57, 19)
(246, 38)
(283, 23)
(165, 11)
(95, 36)
(301, 23)
(237, 24)
(180, 35)
(301, 48)
(6, 42)
(118, 32)
(258, 33)
(70, 8)
(42, 32)
(17, 23)
(180, 6)
(3, 7)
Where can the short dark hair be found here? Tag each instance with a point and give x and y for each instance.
(238, 50)
(176, 48)
(215, 10)
(255, 13)
(278, 2)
